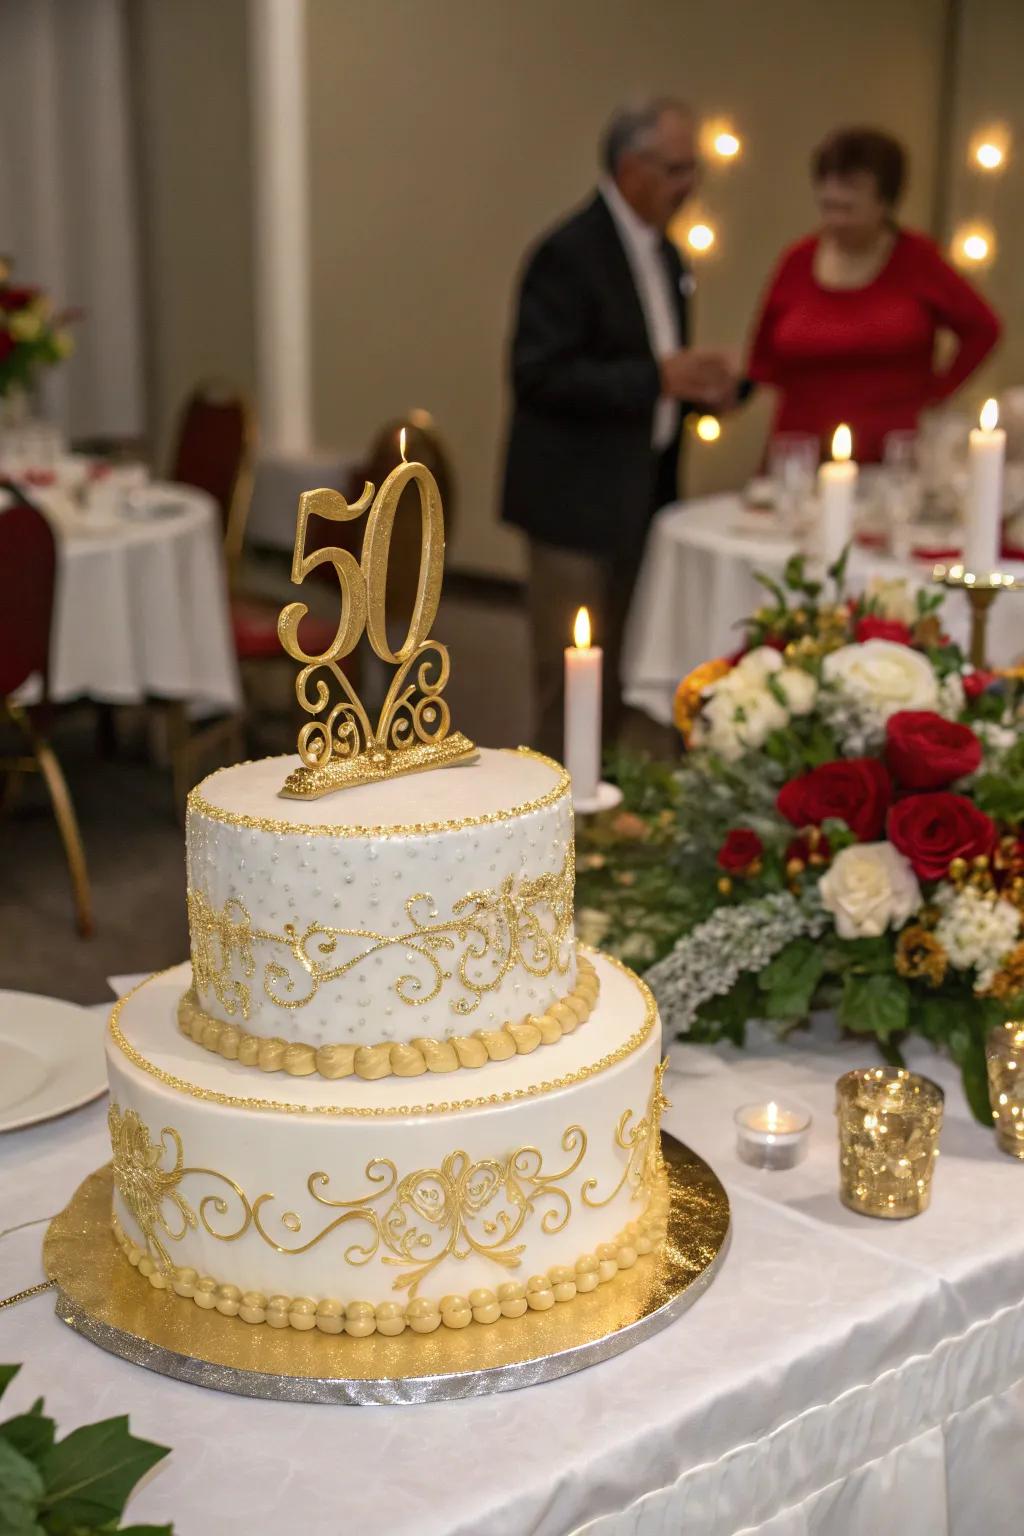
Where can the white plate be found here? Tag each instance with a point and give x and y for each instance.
(51, 1058)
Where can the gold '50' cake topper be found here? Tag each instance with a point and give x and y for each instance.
(342, 747)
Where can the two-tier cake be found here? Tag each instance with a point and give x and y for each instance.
(390, 1091)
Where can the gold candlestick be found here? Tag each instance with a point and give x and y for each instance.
(982, 592)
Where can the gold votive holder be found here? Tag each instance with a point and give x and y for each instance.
(889, 1124)
(1004, 1058)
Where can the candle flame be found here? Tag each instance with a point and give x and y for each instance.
(842, 444)
(581, 630)
(990, 415)
(401, 445)
(772, 1115)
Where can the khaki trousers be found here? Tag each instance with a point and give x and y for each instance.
(559, 582)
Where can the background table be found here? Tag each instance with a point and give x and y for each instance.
(840, 1377)
(697, 583)
(141, 606)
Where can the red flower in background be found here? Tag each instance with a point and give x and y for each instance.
(933, 830)
(856, 790)
(871, 627)
(741, 849)
(16, 298)
(812, 848)
(976, 682)
(924, 751)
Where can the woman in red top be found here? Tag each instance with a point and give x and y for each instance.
(847, 331)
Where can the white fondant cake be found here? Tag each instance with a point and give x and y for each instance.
(427, 906)
(325, 1204)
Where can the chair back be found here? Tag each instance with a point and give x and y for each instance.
(215, 448)
(28, 563)
(422, 443)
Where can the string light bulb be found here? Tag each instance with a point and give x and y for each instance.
(989, 148)
(727, 145)
(709, 429)
(989, 156)
(700, 238)
(974, 246)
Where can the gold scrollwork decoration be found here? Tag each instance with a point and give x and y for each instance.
(148, 1188)
(522, 922)
(641, 1141)
(412, 729)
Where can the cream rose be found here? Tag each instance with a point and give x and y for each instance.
(885, 675)
(737, 719)
(869, 888)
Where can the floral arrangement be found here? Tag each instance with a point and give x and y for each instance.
(844, 830)
(31, 335)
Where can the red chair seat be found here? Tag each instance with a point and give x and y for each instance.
(254, 627)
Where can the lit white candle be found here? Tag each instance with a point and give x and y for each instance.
(837, 487)
(772, 1135)
(984, 509)
(583, 664)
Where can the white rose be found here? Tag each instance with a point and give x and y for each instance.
(755, 666)
(893, 598)
(739, 718)
(884, 674)
(799, 689)
(869, 887)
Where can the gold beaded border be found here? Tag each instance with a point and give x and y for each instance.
(358, 1319)
(394, 1058)
(198, 805)
(359, 1111)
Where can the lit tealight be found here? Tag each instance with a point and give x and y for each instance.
(772, 1135)
(709, 429)
(727, 145)
(700, 237)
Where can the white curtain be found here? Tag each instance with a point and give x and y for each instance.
(67, 197)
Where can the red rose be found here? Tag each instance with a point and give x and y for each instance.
(924, 751)
(16, 298)
(933, 830)
(855, 790)
(741, 848)
(873, 628)
(976, 682)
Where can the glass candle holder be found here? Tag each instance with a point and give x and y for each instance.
(772, 1135)
(889, 1124)
(1004, 1057)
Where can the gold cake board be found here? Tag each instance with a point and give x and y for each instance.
(103, 1298)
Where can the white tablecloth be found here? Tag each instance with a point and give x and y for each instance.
(697, 583)
(141, 607)
(841, 1377)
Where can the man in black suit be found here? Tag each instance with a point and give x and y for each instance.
(602, 375)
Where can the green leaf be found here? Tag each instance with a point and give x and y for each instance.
(789, 981)
(30, 1433)
(21, 1489)
(838, 571)
(727, 1016)
(771, 586)
(90, 1473)
(7, 1375)
(874, 1005)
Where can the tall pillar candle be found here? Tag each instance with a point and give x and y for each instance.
(837, 488)
(583, 664)
(984, 508)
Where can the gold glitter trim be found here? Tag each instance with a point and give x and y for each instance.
(359, 1319)
(198, 805)
(511, 1095)
(521, 923)
(400, 1059)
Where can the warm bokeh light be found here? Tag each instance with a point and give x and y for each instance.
(989, 416)
(401, 445)
(727, 145)
(989, 156)
(709, 429)
(700, 237)
(581, 630)
(842, 443)
(973, 245)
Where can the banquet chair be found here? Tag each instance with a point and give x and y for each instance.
(28, 555)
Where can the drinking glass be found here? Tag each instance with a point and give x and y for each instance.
(792, 469)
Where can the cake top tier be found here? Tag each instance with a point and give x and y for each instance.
(498, 786)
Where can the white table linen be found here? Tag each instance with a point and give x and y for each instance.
(141, 606)
(697, 583)
(841, 1376)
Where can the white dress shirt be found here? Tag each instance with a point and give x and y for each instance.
(642, 243)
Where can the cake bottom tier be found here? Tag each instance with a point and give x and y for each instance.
(347, 1208)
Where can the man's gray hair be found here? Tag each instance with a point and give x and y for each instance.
(629, 127)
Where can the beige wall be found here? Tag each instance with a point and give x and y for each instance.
(446, 134)
(989, 61)
(190, 78)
